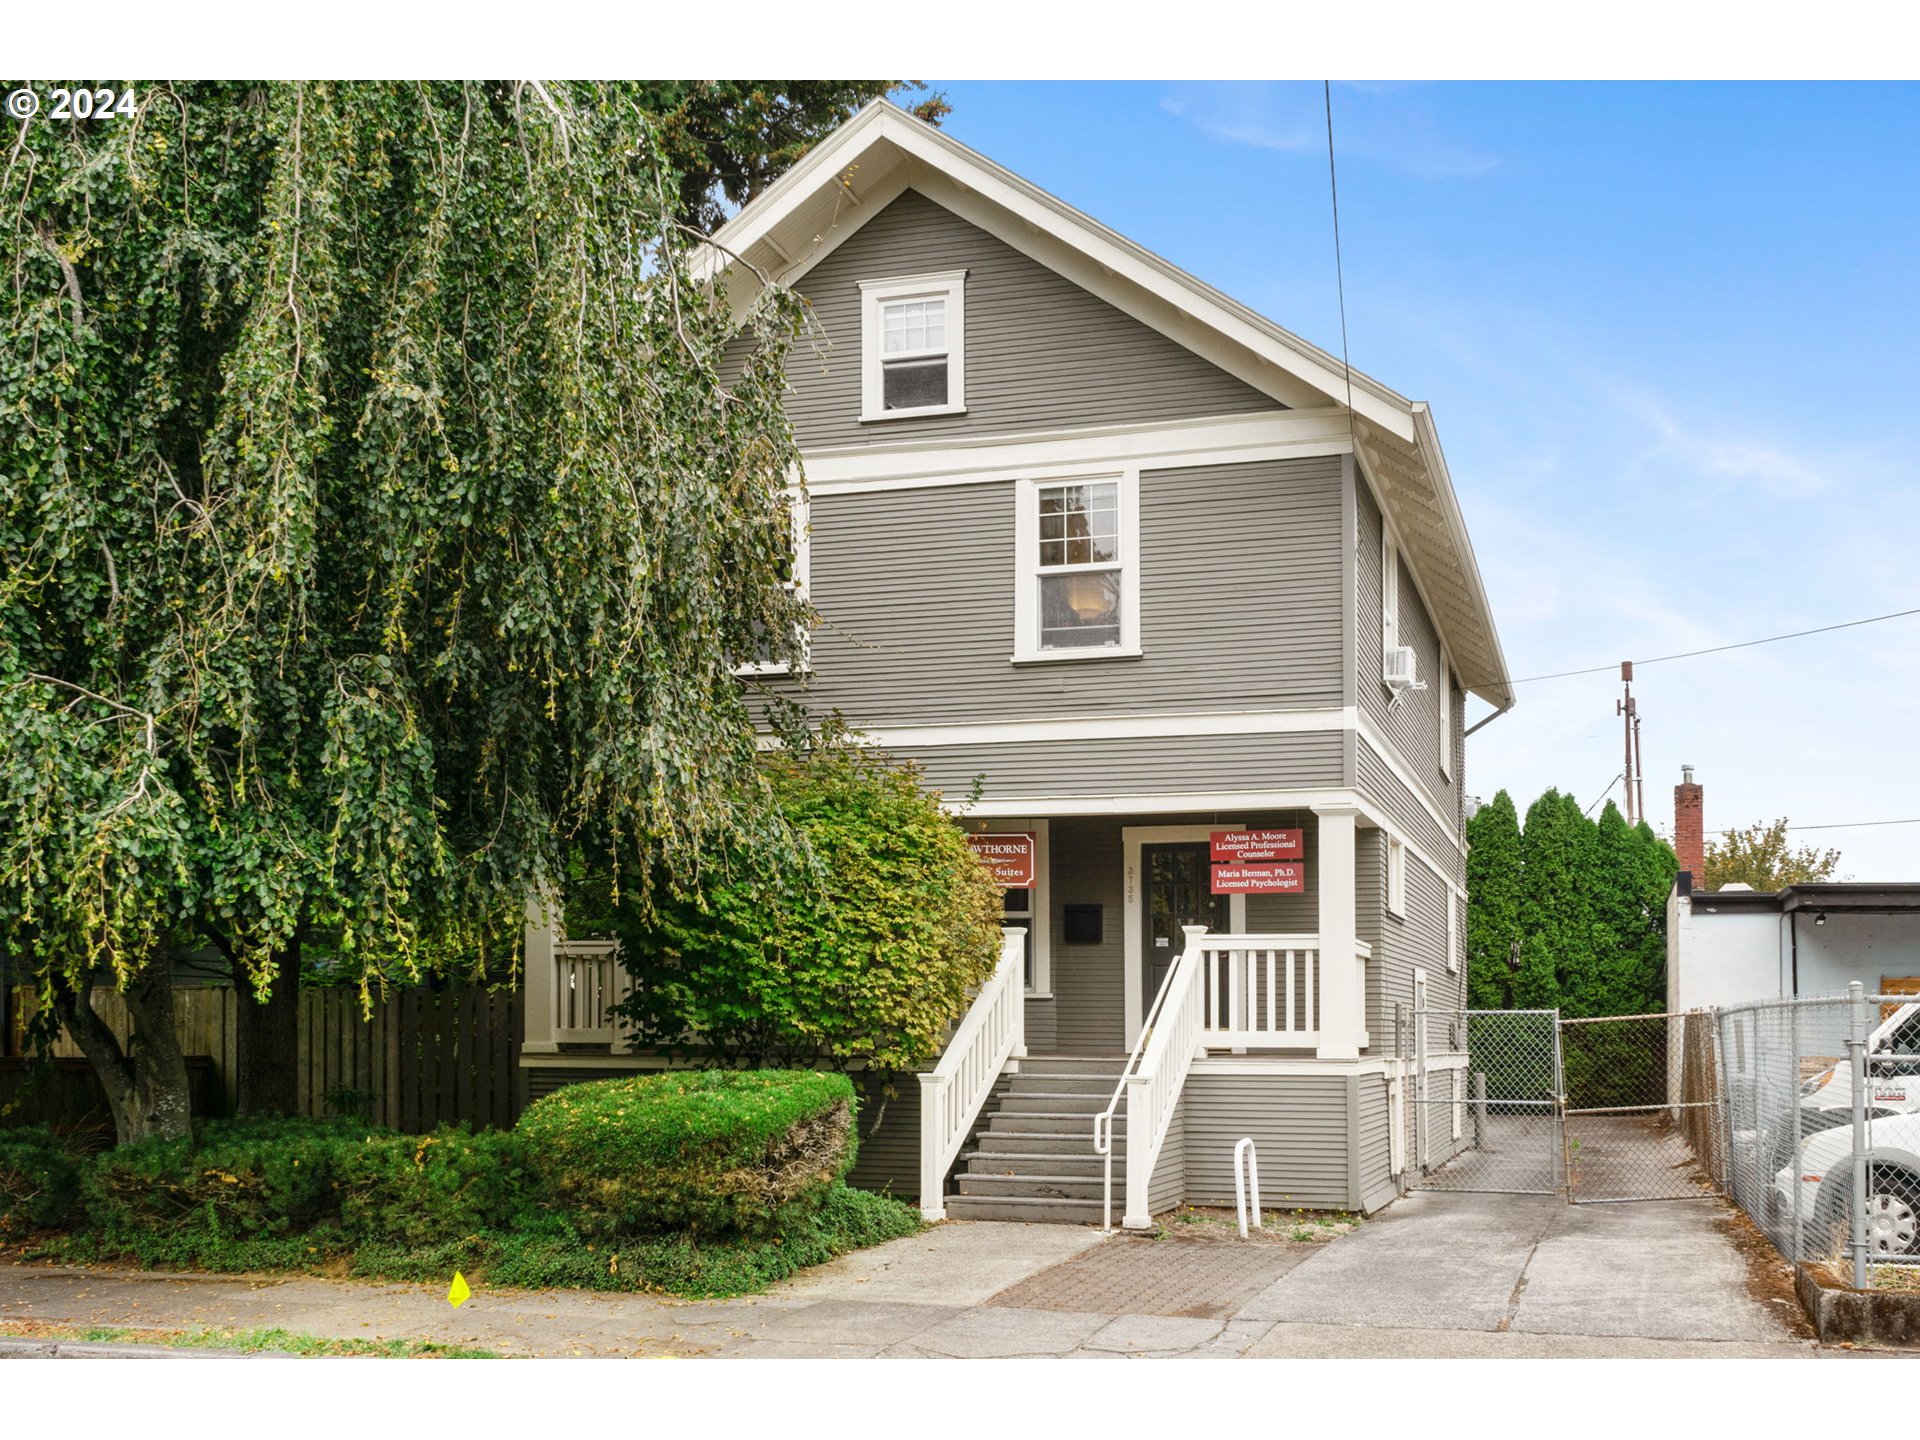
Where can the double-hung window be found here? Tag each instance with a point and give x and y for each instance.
(913, 346)
(800, 557)
(1079, 570)
(1396, 876)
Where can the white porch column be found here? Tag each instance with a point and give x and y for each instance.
(1341, 1022)
(537, 977)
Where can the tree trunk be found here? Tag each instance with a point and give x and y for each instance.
(267, 1040)
(146, 1082)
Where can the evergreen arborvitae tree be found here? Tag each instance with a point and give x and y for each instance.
(1621, 982)
(1558, 868)
(1494, 886)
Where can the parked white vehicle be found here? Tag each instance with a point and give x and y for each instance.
(1823, 1173)
(1824, 1179)
(1893, 1086)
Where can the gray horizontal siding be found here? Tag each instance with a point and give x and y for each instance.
(1374, 1167)
(889, 1156)
(1402, 942)
(1041, 353)
(1168, 1187)
(1041, 1025)
(1412, 728)
(1088, 980)
(1137, 766)
(1239, 602)
(1381, 785)
(1299, 1129)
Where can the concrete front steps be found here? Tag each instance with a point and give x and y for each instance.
(1035, 1160)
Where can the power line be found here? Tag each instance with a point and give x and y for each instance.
(1339, 271)
(1856, 824)
(1717, 649)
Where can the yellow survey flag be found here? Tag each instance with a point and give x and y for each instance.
(459, 1292)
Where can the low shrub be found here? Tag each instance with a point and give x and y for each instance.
(421, 1189)
(237, 1179)
(714, 1152)
(556, 1255)
(39, 1181)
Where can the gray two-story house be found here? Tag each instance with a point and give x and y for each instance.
(1196, 610)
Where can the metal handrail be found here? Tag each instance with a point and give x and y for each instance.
(1103, 1122)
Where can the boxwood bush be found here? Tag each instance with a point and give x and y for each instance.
(713, 1152)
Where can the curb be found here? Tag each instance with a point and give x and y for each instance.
(1861, 1317)
(11, 1349)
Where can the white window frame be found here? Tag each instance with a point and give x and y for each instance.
(1396, 876)
(1027, 569)
(1453, 929)
(801, 511)
(1040, 930)
(1445, 687)
(1389, 590)
(875, 295)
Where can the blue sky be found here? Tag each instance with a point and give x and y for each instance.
(1668, 332)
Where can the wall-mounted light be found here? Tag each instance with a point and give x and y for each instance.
(1821, 918)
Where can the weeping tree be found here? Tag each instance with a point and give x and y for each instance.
(376, 520)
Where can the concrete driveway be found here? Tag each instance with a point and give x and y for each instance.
(1434, 1275)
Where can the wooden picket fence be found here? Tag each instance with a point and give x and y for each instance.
(425, 1058)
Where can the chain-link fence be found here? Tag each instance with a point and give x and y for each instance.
(1482, 1107)
(1823, 1126)
(1640, 1102)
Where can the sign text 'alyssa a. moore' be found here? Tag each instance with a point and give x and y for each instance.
(1280, 878)
(1008, 857)
(1256, 847)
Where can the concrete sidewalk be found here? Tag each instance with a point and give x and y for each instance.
(1435, 1275)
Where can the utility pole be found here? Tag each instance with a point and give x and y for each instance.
(1629, 713)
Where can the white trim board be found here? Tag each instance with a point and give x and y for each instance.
(1173, 725)
(1133, 961)
(1215, 440)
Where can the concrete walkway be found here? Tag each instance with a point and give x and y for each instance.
(1435, 1275)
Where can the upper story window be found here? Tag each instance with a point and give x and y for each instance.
(1396, 876)
(1079, 570)
(913, 346)
(1389, 591)
(1445, 690)
(799, 555)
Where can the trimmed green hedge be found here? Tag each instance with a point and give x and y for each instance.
(258, 1180)
(713, 1152)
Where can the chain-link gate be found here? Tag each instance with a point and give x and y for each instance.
(1482, 1107)
(1642, 1118)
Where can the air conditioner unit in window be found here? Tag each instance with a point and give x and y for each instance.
(1399, 671)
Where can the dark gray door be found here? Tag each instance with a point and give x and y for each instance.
(1176, 894)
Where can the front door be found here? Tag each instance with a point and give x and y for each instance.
(1176, 894)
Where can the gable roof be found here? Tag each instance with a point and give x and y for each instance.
(852, 175)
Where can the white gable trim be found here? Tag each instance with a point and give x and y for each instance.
(980, 180)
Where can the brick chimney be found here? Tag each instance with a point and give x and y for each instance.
(1689, 828)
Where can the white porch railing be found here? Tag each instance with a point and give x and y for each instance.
(1264, 991)
(587, 983)
(1155, 1073)
(1224, 992)
(988, 1040)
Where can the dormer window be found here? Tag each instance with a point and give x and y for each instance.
(913, 346)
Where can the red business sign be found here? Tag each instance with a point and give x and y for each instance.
(1008, 857)
(1259, 879)
(1255, 847)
